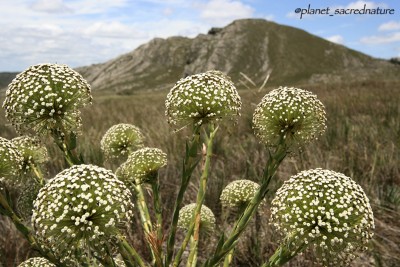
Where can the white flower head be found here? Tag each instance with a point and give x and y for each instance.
(289, 113)
(80, 210)
(202, 98)
(142, 165)
(207, 218)
(46, 98)
(121, 140)
(36, 262)
(325, 211)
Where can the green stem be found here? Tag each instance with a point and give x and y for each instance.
(189, 163)
(158, 212)
(145, 219)
(129, 254)
(193, 253)
(207, 153)
(143, 210)
(178, 256)
(228, 258)
(283, 254)
(272, 165)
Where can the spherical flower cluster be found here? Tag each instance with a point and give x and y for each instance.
(10, 160)
(238, 193)
(80, 211)
(46, 98)
(325, 211)
(36, 262)
(142, 165)
(201, 98)
(207, 218)
(32, 151)
(292, 114)
(121, 140)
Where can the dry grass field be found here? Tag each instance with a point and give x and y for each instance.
(362, 141)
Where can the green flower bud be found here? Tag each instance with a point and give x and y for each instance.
(292, 114)
(326, 212)
(46, 98)
(32, 151)
(10, 160)
(207, 218)
(80, 212)
(121, 140)
(37, 262)
(202, 98)
(142, 165)
(238, 193)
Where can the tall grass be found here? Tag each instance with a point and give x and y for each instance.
(362, 141)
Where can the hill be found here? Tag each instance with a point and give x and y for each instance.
(248, 48)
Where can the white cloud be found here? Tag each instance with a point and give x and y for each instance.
(113, 29)
(390, 26)
(336, 39)
(381, 39)
(269, 17)
(221, 12)
(360, 4)
(51, 6)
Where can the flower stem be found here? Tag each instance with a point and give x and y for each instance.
(128, 252)
(157, 209)
(272, 165)
(207, 153)
(189, 163)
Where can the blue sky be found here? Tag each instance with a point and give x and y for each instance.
(84, 32)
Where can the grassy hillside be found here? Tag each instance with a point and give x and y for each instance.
(362, 141)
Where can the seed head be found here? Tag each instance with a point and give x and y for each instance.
(32, 151)
(207, 218)
(293, 114)
(202, 98)
(10, 160)
(82, 209)
(121, 140)
(45, 99)
(36, 262)
(325, 211)
(238, 193)
(142, 165)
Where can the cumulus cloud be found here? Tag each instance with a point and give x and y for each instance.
(220, 12)
(338, 39)
(360, 4)
(390, 26)
(381, 39)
